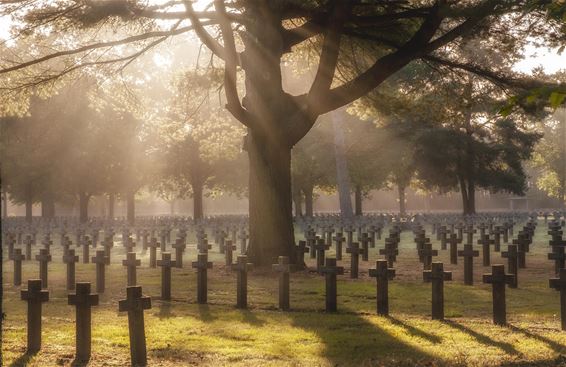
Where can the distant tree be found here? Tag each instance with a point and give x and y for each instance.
(549, 157)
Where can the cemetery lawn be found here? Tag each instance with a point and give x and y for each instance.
(182, 332)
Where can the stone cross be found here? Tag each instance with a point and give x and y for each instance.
(101, 260)
(442, 232)
(243, 237)
(301, 250)
(229, 249)
(390, 252)
(437, 276)
(355, 251)
(131, 263)
(320, 246)
(522, 243)
(469, 231)
(310, 237)
(18, 257)
(339, 240)
(283, 268)
(44, 258)
(179, 247)
(560, 285)
(427, 253)
(86, 251)
(166, 263)
(365, 241)
(383, 274)
(559, 257)
(330, 271)
(202, 265)
(512, 256)
(153, 245)
(468, 254)
(70, 259)
(83, 300)
(203, 246)
(34, 296)
(108, 244)
(485, 241)
(28, 242)
(135, 304)
(242, 267)
(453, 241)
(498, 279)
(497, 232)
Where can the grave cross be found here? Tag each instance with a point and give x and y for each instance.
(166, 264)
(34, 296)
(301, 250)
(243, 237)
(310, 237)
(498, 279)
(320, 247)
(426, 253)
(437, 276)
(330, 271)
(86, 251)
(365, 241)
(390, 251)
(131, 263)
(135, 304)
(28, 242)
(354, 250)
(83, 300)
(70, 259)
(512, 256)
(242, 267)
(203, 246)
(559, 257)
(179, 247)
(469, 231)
(18, 257)
(497, 232)
(383, 274)
(283, 268)
(560, 285)
(339, 240)
(202, 265)
(522, 242)
(101, 260)
(485, 241)
(468, 254)
(44, 258)
(453, 241)
(153, 245)
(229, 249)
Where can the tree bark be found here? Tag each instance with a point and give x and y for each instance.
(402, 207)
(111, 204)
(271, 219)
(309, 201)
(84, 198)
(29, 208)
(48, 207)
(198, 207)
(358, 200)
(131, 208)
(4, 204)
(342, 174)
(471, 198)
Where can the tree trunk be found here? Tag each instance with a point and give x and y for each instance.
(402, 208)
(271, 217)
(131, 208)
(83, 207)
(198, 208)
(47, 207)
(309, 201)
(342, 173)
(172, 207)
(111, 204)
(465, 199)
(471, 198)
(4, 204)
(298, 201)
(29, 208)
(358, 200)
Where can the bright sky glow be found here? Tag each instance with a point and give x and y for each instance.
(549, 59)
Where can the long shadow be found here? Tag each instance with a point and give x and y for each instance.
(22, 360)
(164, 310)
(79, 363)
(205, 314)
(484, 339)
(250, 318)
(557, 347)
(349, 339)
(414, 331)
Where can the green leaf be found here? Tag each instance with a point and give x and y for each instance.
(556, 99)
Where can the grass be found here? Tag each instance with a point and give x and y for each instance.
(182, 332)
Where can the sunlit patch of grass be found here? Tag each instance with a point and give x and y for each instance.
(181, 332)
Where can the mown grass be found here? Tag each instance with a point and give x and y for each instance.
(181, 332)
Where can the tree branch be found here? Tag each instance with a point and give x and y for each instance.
(205, 37)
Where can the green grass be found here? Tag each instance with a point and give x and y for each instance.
(181, 332)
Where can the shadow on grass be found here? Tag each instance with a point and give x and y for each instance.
(413, 331)
(164, 310)
(557, 347)
(250, 318)
(349, 339)
(204, 313)
(22, 360)
(484, 339)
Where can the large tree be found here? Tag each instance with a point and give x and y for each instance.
(255, 36)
